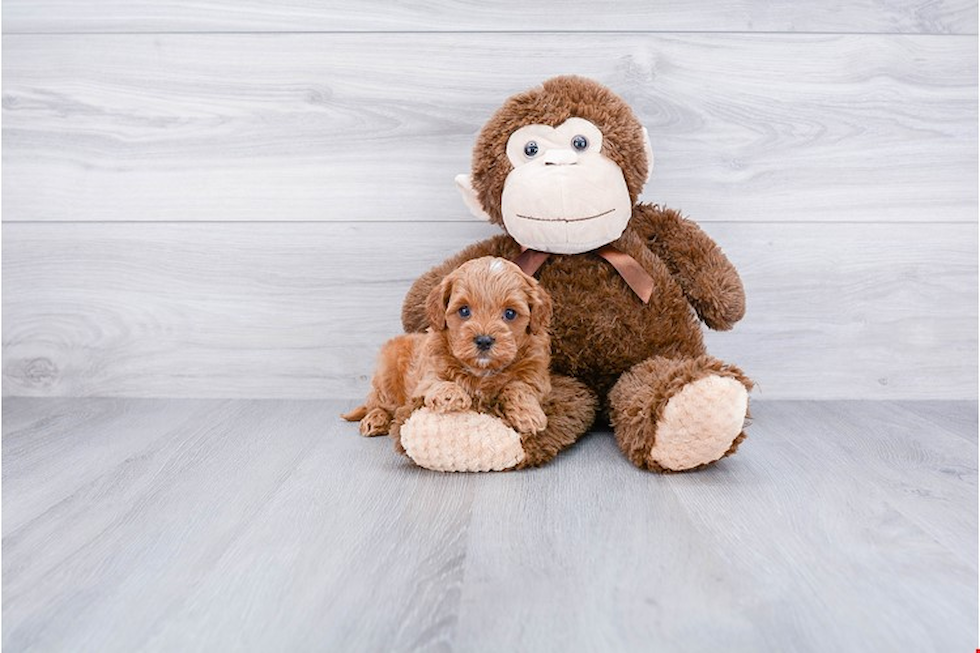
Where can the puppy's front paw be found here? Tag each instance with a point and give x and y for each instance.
(525, 416)
(447, 397)
(376, 422)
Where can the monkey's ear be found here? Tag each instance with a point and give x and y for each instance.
(436, 304)
(648, 150)
(470, 198)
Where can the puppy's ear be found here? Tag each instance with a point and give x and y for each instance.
(539, 302)
(437, 303)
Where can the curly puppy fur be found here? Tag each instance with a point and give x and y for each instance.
(600, 329)
(487, 348)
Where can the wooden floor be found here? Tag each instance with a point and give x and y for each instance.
(218, 525)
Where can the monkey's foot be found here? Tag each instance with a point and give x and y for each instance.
(460, 442)
(672, 415)
(700, 423)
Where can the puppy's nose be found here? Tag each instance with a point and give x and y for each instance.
(483, 342)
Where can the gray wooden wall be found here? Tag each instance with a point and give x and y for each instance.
(229, 199)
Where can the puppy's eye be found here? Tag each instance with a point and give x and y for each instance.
(464, 312)
(510, 314)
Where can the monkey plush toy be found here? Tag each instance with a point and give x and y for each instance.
(560, 168)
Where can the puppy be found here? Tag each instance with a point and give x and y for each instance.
(487, 348)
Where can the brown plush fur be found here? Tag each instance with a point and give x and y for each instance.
(446, 368)
(609, 330)
(571, 409)
(639, 397)
(601, 332)
(553, 103)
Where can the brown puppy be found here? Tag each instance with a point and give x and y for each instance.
(487, 348)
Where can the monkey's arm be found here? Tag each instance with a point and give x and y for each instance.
(413, 308)
(706, 276)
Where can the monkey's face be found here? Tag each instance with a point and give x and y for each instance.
(564, 195)
(559, 166)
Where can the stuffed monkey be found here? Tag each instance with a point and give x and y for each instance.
(560, 168)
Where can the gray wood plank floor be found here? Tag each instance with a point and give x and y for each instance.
(264, 525)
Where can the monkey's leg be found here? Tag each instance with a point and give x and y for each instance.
(570, 408)
(468, 441)
(673, 415)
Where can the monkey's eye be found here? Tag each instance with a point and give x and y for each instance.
(580, 143)
(530, 149)
(464, 312)
(510, 314)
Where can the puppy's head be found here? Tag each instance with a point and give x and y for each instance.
(489, 311)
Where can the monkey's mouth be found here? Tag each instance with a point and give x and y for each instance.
(590, 217)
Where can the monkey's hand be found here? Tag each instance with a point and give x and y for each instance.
(705, 275)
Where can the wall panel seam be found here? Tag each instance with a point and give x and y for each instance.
(490, 32)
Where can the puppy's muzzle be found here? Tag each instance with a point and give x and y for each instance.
(484, 342)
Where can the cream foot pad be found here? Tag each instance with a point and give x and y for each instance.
(460, 442)
(700, 423)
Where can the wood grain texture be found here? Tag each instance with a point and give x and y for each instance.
(255, 310)
(910, 476)
(955, 423)
(261, 525)
(918, 16)
(339, 127)
(665, 570)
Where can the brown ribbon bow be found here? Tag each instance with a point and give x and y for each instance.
(638, 279)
